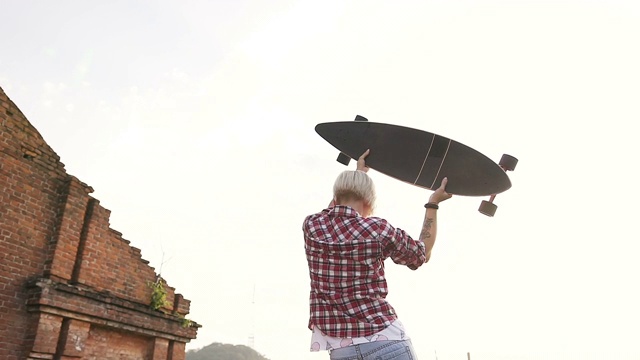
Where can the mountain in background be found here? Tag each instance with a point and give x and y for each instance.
(218, 351)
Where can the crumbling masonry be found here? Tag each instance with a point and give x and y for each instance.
(70, 286)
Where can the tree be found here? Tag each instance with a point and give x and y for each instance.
(218, 351)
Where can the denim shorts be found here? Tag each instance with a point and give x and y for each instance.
(377, 350)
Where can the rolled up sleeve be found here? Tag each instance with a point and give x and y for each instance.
(400, 247)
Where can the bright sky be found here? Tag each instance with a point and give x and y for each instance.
(194, 123)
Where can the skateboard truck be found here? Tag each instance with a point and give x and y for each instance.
(344, 158)
(507, 163)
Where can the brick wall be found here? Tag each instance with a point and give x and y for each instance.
(31, 181)
(64, 273)
(105, 343)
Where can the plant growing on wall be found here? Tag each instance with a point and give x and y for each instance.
(158, 291)
(185, 323)
(158, 294)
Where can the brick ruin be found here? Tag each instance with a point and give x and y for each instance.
(70, 286)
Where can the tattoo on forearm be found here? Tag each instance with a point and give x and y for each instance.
(426, 229)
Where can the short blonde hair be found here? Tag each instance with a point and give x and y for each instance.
(354, 185)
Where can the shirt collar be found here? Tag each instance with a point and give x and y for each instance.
(342, 210)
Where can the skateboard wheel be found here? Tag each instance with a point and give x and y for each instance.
(360, 118)
(508, 162)
(488, 208)
(343, 159)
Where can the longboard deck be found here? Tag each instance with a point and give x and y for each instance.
(417, 157)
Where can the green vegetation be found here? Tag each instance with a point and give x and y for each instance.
(185, 322)
(218, 351)
(158, 294)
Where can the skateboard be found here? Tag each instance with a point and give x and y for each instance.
(421, 158)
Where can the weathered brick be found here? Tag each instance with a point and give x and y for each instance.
(70, 286)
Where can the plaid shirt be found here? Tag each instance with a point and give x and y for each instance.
(346, 254)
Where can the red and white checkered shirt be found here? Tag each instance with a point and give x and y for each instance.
(346, 254)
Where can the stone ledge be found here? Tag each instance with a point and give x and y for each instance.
(102, 308)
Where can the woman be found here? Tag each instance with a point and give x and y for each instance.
(346, 249)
